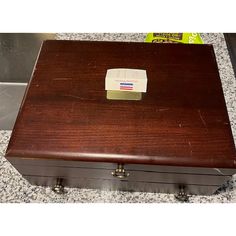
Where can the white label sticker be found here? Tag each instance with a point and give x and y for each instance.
(120, 79)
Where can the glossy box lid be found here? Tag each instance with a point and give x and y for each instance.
(181, 120)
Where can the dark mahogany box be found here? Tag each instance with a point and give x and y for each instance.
(178, 136)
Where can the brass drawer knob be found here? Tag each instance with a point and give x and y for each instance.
(120, 172)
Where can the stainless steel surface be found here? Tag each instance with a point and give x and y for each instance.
(18, 53)
(10, 99)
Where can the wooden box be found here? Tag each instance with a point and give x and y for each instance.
(177, 136)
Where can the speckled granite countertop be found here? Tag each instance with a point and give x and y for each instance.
(13, 188)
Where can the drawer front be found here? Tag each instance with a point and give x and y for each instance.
(130, 186)
(137, 176)
(105, 165)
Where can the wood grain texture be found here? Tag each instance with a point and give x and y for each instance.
(181, 121)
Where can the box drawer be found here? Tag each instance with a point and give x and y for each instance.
(132, 186)
(106, 165)
(134, 175)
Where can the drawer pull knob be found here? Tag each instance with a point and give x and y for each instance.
(58, 187)
(120, 172)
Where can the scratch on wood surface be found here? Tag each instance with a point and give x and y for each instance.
(80, 98)
(180, 125)
(203, 121)
(73, 96)
(218, 170)
(190, 147)
(163, 109)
